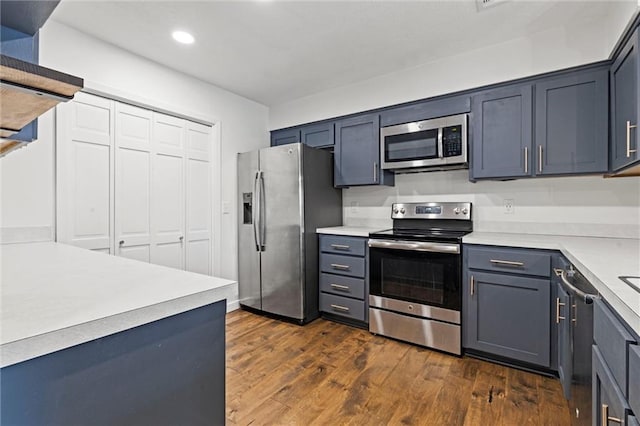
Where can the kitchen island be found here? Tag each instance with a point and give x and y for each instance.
(88, 338)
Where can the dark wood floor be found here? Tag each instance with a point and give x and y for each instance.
(328, 373)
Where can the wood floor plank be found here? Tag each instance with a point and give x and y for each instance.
(326, 373)
(521, 399)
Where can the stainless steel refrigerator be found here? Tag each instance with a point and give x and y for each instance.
(285, 193)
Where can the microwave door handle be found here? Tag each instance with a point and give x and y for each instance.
(440, 152)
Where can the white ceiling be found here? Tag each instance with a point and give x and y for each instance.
(277, 51)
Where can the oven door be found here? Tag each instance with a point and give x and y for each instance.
(428, 273)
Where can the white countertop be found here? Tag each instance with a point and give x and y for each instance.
(600, 260)
(353, 231)
(54, 296)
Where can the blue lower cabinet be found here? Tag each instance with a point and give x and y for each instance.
(609, 404)
(344, 279)
(508, 316)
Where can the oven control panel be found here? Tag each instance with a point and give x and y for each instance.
(445, 210)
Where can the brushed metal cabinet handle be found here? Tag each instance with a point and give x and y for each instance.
(629, 127)
(506, 262)
(540, 158)
(472, 285)
(526, 160)
(339, 286)
(340, 308)
(606, 418)
(341, 267)
(375, 171)
(340, 246)
(558, 304)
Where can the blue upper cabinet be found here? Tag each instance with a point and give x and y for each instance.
(625, 114)
(357, 152)
(425, 110)
(285, 136)
(571, 124)
(318, 135)
(501, 131)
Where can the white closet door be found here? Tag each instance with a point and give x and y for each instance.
(198, 235)
(167, 196)
(85, 171)
(133, 182)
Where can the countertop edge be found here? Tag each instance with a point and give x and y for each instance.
(35, 346)
(348, 231)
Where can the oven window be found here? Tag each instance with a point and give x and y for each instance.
(411, 146)
(423, 277)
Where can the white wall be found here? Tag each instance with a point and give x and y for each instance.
(28, 174)
(591, 206)
(575, 43)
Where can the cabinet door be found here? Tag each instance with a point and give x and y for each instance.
(572, 124)
(508, 316)
(625, 92)
(357, 152)
(286, 136)
(608, 400)
(562, 316)
(317, 135)
(133, 182)
(501, 133)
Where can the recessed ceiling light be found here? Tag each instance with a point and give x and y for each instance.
(183, 37)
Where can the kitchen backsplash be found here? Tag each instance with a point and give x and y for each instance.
(588, 206)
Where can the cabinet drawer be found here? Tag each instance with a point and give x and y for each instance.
(634, 378)
(341, 285)
(342, 245)
(517, 261)
(612, 340)
(606, 391)
(343, 265)
(343, 306)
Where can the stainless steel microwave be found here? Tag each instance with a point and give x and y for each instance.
(437, 144)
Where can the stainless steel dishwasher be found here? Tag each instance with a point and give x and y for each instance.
(578, 310)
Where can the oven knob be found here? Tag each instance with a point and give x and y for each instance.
(402, 210)
(410, 307)
(465, 211)
(395, 211)
(456, 210)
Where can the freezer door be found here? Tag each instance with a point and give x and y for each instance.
(282, 279)
(249, 287)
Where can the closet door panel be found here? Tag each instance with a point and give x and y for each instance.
(133, 182)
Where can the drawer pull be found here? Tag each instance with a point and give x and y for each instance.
(340, 308)
(558, 304)
(340, 287)
(606, 418)
(340, 246)
(341, 267)
(506, 262)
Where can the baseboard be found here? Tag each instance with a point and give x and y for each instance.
(233, 305)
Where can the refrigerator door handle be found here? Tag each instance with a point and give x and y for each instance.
(262, 212)
(256, 210)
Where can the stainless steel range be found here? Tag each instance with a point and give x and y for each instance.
(415, 275)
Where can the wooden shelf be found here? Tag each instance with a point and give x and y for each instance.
(27, 91)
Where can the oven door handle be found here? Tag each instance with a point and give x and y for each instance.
(416, 246)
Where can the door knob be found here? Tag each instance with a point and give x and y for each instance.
(121, 242)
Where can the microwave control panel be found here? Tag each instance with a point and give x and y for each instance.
(452, 141)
